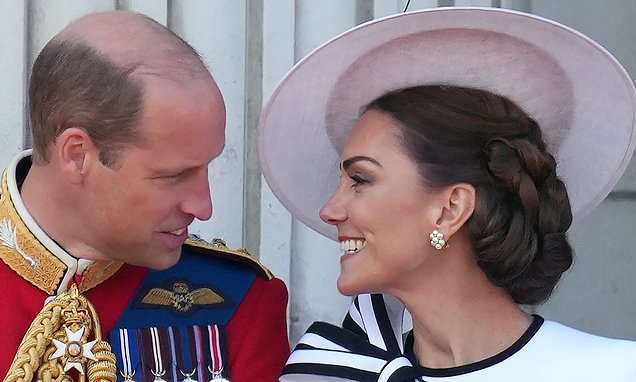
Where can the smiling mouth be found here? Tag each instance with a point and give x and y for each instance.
(352, 246)
(178, 232)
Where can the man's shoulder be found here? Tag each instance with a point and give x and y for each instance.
(207, 285)
(218, 249)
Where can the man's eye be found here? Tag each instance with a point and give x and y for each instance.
(170, 177)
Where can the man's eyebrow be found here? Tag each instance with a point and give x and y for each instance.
(173, 171)
(348, 162)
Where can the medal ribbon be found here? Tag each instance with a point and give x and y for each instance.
(215, 349)
(200, 350)
(171, 353)
(156, 350)
(184, 353)
(126, 349)
(210, 352)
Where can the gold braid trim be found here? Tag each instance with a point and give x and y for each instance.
(104, 369)
(38, 357)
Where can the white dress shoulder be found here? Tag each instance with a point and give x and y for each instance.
(549, 351)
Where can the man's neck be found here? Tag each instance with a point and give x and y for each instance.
(33, 223)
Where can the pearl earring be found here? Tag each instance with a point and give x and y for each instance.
(437, 239)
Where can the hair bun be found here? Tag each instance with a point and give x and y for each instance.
(537, 283)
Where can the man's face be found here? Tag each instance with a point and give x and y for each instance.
(139, 210)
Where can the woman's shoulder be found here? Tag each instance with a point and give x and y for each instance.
(596, 355)
(564, 336)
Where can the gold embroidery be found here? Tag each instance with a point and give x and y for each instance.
(8, 238)
(28, 257)
(219, 248)
(49, 270)
(98, 272)
(180, 298)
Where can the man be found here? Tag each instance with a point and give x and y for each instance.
(93, 223)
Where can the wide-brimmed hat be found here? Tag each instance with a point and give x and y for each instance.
(582, 98)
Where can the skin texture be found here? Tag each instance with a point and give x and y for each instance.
(376, 173)
(136, 210)
(381, 199)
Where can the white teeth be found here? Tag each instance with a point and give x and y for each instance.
(352, 246)
(178, 232)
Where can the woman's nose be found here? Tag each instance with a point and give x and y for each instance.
(333, 212)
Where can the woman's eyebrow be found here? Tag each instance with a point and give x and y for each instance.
(348, 162)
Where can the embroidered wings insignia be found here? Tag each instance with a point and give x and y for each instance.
(180, 298)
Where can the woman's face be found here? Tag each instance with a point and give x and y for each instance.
(383, 212)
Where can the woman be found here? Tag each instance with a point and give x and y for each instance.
(449, 202)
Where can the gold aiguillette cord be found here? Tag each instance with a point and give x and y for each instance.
(59, 344)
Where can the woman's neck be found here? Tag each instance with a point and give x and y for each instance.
(460, 317)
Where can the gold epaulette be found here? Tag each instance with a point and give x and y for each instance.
(217, 247)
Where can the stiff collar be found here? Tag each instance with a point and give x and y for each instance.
(30, 252)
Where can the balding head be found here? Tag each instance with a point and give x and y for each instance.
(135, 42)
(92, 75)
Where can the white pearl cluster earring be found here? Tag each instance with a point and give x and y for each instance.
(437, 239)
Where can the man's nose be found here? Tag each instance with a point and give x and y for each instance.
(198, 200)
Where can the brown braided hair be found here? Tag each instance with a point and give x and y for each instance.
(463, 135)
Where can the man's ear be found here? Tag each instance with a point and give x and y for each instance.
(459, 204)
(76, 153)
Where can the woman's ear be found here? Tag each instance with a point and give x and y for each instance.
(458, 206)
(75, 153)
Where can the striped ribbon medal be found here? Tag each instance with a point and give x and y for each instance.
(127, 354)
(368, 347)
(213, 339)
(171, 354)
(156, 352)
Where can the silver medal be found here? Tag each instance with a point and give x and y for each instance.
(217, 375)
(188, 376)
(158, 375)
(128, 377)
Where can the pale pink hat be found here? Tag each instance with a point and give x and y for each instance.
(582, 98)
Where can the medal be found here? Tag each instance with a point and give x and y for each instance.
(128, 377)
(188, 376)
(74, 343)
(158, 375)
(217, 375)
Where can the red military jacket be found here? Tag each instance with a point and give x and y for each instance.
(216, 313)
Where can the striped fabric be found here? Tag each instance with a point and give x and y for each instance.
(183, 354)
(367, 348)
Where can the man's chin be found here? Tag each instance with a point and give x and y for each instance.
(160, 261)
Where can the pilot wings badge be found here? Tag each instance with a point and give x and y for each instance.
(181, 299)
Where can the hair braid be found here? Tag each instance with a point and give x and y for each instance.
(531, 266)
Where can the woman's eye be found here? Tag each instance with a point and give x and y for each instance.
(358, 180)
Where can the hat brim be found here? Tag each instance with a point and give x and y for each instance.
(580, 95)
